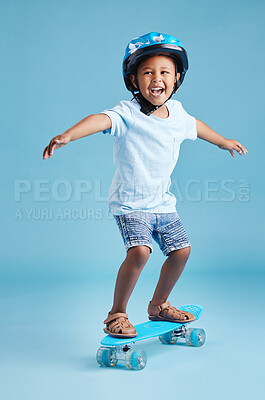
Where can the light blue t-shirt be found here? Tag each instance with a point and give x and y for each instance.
(146, 150)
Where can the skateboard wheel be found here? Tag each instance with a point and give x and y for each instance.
(106, 357)
(195, 337)
(168, 338)
(135, 359)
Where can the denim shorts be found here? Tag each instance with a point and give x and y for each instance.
(139, 227)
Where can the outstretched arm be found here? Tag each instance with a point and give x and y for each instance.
(206, 133)
(87, 126)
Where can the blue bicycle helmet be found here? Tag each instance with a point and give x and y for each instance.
(150, 44)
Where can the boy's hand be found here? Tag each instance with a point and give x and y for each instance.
(55, 143)
(230, 145)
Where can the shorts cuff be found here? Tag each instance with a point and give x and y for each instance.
(139, 243)
(172, 248)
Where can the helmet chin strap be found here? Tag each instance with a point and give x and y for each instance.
(146, 107)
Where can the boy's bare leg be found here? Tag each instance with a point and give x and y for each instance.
(170, 273)
(128, 275)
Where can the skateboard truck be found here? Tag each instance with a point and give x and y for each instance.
(133, 359)
(193, 337)
(173, 336)
(126, 347)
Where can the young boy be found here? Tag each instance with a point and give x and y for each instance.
(148, 132)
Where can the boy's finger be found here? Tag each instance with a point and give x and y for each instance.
(237, 148)
(49, 150)
(52, 149)
(51, 145)
(45, 152)
(242, 148)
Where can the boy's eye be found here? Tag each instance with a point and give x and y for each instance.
(150, 72)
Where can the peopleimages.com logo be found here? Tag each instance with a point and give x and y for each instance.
(90, 192)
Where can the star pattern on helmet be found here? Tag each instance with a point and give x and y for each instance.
(159, 38)
(134, 46)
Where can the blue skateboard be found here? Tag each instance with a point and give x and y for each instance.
(115, 349)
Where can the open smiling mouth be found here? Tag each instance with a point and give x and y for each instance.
(156, 91)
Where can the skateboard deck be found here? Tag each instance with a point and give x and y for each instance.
(115, 349)
(150, 329)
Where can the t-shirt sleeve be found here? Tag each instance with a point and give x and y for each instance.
(189, 124)
(121, 119)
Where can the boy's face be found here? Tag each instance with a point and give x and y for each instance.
(156, 78)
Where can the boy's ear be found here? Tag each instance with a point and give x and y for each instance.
(132, 77)
(177, 77)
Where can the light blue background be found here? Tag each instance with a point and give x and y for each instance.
(61, 61)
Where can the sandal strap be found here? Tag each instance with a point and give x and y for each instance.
(119, 324)
(172, 312)
(111, 317)
(164, 305)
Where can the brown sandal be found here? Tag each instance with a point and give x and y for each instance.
(166, 312)
(119, 326)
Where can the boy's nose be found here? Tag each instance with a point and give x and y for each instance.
(156, 79)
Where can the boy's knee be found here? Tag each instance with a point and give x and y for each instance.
(140, 254)
(186, 251)
(181, 254)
